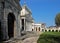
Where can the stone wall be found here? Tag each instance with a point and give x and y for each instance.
(6, 7)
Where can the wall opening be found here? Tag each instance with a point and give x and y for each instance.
(59, 30)
(11, 19)
(45, 30)
(52, 30)
(22, 20)
(32, 29)
(49, 30)
(56, 30)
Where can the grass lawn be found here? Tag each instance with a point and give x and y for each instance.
(49, 37)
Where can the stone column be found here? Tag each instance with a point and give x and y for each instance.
(19, 34)
(15, 32)
(24, 25)
(17, 27)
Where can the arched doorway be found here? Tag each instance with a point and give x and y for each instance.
(11, 19)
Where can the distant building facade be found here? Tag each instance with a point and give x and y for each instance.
(26, 19)
(38, 27)
(52, 29)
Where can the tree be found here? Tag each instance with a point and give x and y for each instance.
(57, 19)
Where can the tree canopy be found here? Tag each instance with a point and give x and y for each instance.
(57, 19)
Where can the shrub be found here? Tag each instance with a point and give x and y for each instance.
(49, 37)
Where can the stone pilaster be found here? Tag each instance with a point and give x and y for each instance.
(4, 29)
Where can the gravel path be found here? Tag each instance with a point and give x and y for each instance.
(30, 40)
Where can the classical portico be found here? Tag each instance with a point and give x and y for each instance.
(10, 18)
(26, 19)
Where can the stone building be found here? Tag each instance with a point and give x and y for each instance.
(26, 19)
(52, 29)
(38, 27)
(10, 19)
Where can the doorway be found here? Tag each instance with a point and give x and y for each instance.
(11, 19)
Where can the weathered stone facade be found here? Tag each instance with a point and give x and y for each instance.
(10, 18)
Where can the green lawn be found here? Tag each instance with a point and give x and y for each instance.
(49, 37)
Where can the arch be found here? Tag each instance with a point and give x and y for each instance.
(52, 30)
(39, 28)
(56, 30)
(45, 30)
(11, 20)
(49, 30)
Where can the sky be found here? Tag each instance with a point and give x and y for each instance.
(43, 11)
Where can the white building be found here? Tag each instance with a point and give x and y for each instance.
(27, 22)
(26, 19)
(52, 29)
(38, 26)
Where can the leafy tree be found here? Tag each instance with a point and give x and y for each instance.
(57, 19)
